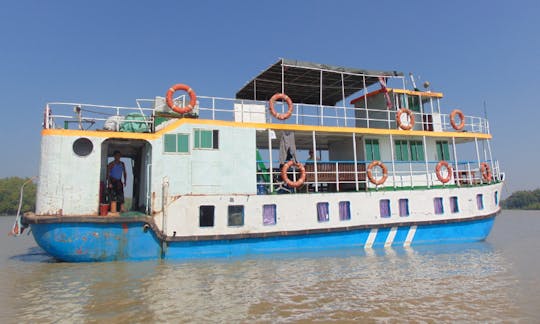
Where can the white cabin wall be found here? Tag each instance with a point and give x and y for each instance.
(68, 183)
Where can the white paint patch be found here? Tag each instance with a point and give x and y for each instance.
(371, 238)
(410, 236)
(391, 236)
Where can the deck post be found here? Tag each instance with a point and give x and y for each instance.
(456, 171)
(426, 160)
(365, 100)
(320, 97)
(477, 155)
(355, 161)
(491, 159)
(393, 160)
(337, 176)
(270, 158)
(343, 100)
(315, 161)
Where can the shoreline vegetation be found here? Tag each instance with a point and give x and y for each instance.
(523, 199)
(9, 195)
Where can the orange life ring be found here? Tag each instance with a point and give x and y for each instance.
(439, 174)
(192, 98)
(453, 119)
(411, 118)
(370, 173)
(289, 104)
(486, 171)
(289, 182)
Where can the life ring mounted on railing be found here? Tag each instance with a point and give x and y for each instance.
(293, 184)
(485, 170)
(192, 98)
(461, 116)
(372, 178)
(438, 172)
(410, 114)
(272, 109)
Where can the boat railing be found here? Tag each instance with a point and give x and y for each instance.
(345, 176)
(89, 116)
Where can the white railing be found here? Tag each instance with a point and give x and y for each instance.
(89, 116)
(409, 174)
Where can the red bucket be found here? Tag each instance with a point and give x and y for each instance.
(103, 209)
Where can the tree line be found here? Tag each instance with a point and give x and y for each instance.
(523, 199)
(9, 195)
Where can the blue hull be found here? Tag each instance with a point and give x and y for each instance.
(87, 241)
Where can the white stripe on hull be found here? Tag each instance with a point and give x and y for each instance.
(410, 236)
(371, 238)
(391, 236)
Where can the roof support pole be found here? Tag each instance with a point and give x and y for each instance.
(320, 97)
(491, 160)
(365, 100)
(355, 161)
(315, 161)
(458, 182)
(392, 154)
(270, 158)
(477, 154)
(426, 160)
(343, 100)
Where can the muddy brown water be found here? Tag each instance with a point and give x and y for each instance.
(496, 280)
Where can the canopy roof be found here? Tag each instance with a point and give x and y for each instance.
(303, 81)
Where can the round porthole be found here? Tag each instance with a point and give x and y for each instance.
(83, 146)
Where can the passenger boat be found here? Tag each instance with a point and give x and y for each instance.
(219, 177)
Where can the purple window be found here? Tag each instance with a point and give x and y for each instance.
(480, 201)
(454, 207)
(269, 214)
(344, 210)
(322, 212)
(384, 207)
(404, 207)
(438, 203)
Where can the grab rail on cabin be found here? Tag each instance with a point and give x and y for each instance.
(342, 176)
(90, 116)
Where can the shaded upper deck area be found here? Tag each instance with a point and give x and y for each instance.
(311, 83)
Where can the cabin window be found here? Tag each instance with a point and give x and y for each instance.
(176, 143)
(480, 201)
(236, 215)
(206, 139)
(454, 207)
(344, 210)
(269, 214)
(206, 216)
(83, 146)
(496, 197)
(384, 207)
(372, 150)
(438, 204)
(402, 150)
(417, 150)
(323, 214)
(443, 153)
(404, 207)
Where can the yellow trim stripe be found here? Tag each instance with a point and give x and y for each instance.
(304, 128)
(417, 93)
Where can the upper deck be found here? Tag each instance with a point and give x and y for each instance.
(323, 96)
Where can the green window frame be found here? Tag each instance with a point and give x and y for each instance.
(417, 150)
(372, 150)
(401, 150)
(443, 151)
(206, 139)
(176, 143)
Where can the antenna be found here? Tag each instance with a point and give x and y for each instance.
(485, 110)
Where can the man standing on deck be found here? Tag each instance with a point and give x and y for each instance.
(115, 170)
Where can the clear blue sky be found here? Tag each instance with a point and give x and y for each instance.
(112, 52)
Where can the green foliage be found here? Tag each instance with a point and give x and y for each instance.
(525, 199)
(9, 195)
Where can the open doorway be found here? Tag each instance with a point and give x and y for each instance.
(136, 155)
